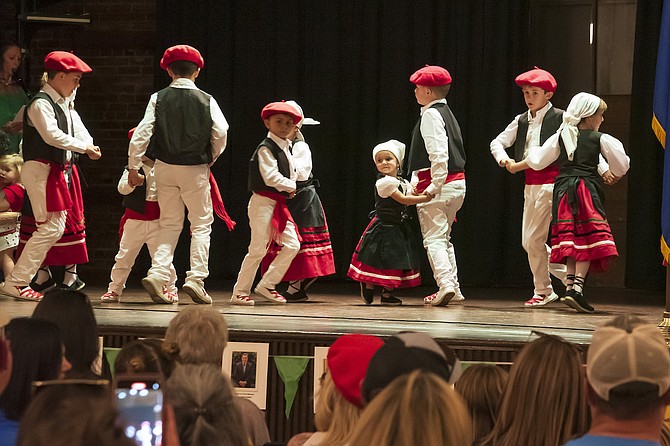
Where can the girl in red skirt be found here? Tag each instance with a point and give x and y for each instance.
(580, 234)
(385, 255)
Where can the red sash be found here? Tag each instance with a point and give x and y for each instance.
(57, 193)
(151, 212)
(425, 179)
(217, 203)
(280, 217)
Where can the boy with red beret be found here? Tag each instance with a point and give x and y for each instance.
(272, 179)
(185, 130)
(533, 128)
(436, 162)
(53, 135)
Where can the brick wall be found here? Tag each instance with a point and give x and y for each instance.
(118, 45)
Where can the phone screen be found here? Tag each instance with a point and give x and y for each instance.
(140, 403)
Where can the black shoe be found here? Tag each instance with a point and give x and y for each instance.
(77, 285)
(391, 300)
(367, 294)
(44, 286)
(576, 300)
(300, 296)
(282, 287)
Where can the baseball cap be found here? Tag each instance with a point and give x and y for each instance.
(627, 350)
(402, 354)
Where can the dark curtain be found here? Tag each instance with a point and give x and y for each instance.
(347, 64)
(643, 261)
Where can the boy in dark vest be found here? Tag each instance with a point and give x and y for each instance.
(272, 179)
(186, 132)
(533, 128)
(139, 225)
(436, 162)
(53, 133)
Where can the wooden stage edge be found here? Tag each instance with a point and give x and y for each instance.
(488, 317)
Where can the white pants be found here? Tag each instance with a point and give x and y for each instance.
(178, 186)
(436, 219)
(135, 234)
(260, 211)
(50, 225)
(537, 200)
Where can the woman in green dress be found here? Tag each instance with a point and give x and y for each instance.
(12, 98)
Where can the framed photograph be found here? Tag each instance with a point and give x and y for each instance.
(246, 363)
(320, 367)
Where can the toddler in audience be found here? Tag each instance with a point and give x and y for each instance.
(11, 202)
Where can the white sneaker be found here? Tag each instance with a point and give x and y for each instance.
(109, 296)
(458, 298)
(157, 290)
(443, 296)
(242, 300)
(539, 300)
(268, 294)
(197, 293)
(20, 292)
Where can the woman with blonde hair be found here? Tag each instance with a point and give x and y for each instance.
(419, 408)
(482, 386)
(545, 386)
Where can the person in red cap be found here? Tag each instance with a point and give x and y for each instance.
(436, 162)
(272, 179)
(53, 138)
(532, 128)
(185, 135)
(139, 225)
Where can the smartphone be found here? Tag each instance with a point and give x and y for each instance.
(139, 399)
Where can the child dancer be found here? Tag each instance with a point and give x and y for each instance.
(580, 234)
(272, 180)
(315, 258)
(11, 202)
(140, 224)
(386, 255)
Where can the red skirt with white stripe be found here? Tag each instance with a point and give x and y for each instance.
(585, 236)
(71, 247)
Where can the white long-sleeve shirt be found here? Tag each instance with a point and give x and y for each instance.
(269, 168)
(145, 129)
(611, 149)
(302, 160)
(435, 139)
(508, 137)
(42, 116)
(125, 188)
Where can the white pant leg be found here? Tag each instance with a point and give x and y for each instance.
(281, 263)
(132, 240)
(260, 211)
(50, 225)
(534, 232)
(436, 219)
(171, 219)
(152, 232)
(196, 195)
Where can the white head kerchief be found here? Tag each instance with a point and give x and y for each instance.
(581, 106)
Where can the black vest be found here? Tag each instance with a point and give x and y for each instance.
(183, 127)
(417, 158)
(550, 123)
(34, 147)
(135, 201)
(256, 183)
(585, 159)
(389, 211)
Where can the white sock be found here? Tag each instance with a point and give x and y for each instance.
(70, 275)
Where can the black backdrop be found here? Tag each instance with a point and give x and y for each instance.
(347, 63)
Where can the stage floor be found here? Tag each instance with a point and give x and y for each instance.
(488, 316)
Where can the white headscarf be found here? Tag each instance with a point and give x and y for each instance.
(394, 146)
(303, 121)
(581, 106)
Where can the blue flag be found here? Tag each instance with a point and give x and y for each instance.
(661, 120)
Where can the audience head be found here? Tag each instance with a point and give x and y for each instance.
(10, 58)
(196, 335)
(628, 369)
(72, 415)
(143, 356)
(481, 386)
(419, 408)
(205, 406)
(72, 312)
(37, 355)
(545, 384)
(404, 353)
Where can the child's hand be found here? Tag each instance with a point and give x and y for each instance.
(291, 194)
(428, 197)
(134, 178)
(93, 152)
(513, 167)
(609, 178)
(505, 162)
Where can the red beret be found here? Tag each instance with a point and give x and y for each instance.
(274, 108)
(64, 61)
(182, 52)
(431, 76)
(348, 360)
(537, 77)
